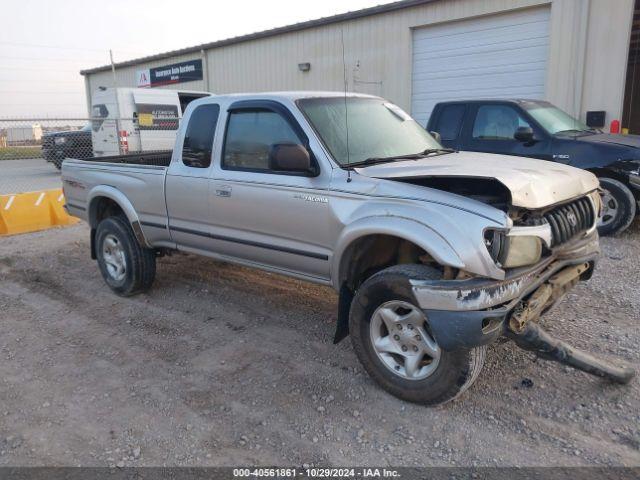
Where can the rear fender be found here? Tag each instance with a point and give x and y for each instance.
(105, 191)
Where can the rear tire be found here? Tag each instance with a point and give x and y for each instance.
(618, 207)
(57, 162)
(126, 266)
(388, 348)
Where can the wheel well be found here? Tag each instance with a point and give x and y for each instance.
(602, 172)
(103, 207)
(372, 253)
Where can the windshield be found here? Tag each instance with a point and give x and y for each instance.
(377, 129)
(554, 120)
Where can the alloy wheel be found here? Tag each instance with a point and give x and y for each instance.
(401, 339)
(114, 257)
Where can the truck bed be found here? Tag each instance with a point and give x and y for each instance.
(140, 180)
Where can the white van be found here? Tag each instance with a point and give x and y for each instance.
(125, 120)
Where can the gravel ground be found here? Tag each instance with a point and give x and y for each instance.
(221, 365)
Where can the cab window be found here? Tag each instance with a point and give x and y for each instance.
(198, 139)
(497, 122)
(250, 136)
(450, 121)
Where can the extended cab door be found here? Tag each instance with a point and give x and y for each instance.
(187, 181)
(491, 128)
(271, 218)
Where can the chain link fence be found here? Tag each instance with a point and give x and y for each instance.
(32, 150)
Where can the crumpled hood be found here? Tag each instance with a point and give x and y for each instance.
(533, 183)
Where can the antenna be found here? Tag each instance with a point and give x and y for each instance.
(346, 113)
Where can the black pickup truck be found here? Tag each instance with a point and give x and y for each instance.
(56, 146)
(538, 129)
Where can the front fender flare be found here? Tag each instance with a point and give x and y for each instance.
(406, 228)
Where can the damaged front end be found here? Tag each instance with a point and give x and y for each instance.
(535, 339)
(477, 311)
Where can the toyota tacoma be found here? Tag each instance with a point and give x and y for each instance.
(434, 253)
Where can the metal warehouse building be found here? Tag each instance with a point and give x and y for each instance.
(574, 53)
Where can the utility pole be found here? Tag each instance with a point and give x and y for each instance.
(115, 85)
(205, 70)
(113, 70)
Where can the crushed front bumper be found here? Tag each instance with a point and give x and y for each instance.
(473, 312)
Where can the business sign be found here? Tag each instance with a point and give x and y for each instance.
(188, 71)
(157, 117)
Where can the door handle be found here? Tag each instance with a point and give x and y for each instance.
(223, 191)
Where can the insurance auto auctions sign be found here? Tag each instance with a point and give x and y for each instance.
(176, 73)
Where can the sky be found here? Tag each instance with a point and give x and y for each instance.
(44, 44)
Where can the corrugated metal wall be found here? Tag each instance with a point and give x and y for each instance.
(607, 47)
(378, 54)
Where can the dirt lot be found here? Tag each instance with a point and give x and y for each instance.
(220, 365)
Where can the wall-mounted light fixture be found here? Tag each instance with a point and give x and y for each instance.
(304, 67)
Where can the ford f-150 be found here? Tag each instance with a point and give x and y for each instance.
(538, 129)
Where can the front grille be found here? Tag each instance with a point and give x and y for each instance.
(570, 220)
(47, 141)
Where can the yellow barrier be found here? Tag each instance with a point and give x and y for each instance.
(33, 211)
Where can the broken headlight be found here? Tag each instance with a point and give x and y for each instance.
(515, 251)
(597, 202)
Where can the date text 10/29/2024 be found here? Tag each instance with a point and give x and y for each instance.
(316, 473)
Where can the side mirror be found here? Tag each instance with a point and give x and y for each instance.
(289, 157)
(437, 136)
(524, 134)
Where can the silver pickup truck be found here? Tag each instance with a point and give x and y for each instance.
(434, 253)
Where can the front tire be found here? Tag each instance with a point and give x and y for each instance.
(392, 339)
(126, 266)
(618, 207)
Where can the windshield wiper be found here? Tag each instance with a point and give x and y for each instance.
(576, 131)
(442, 150)
(395, 158)
(377, 160)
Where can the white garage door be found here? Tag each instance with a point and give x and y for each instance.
(497, 56)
